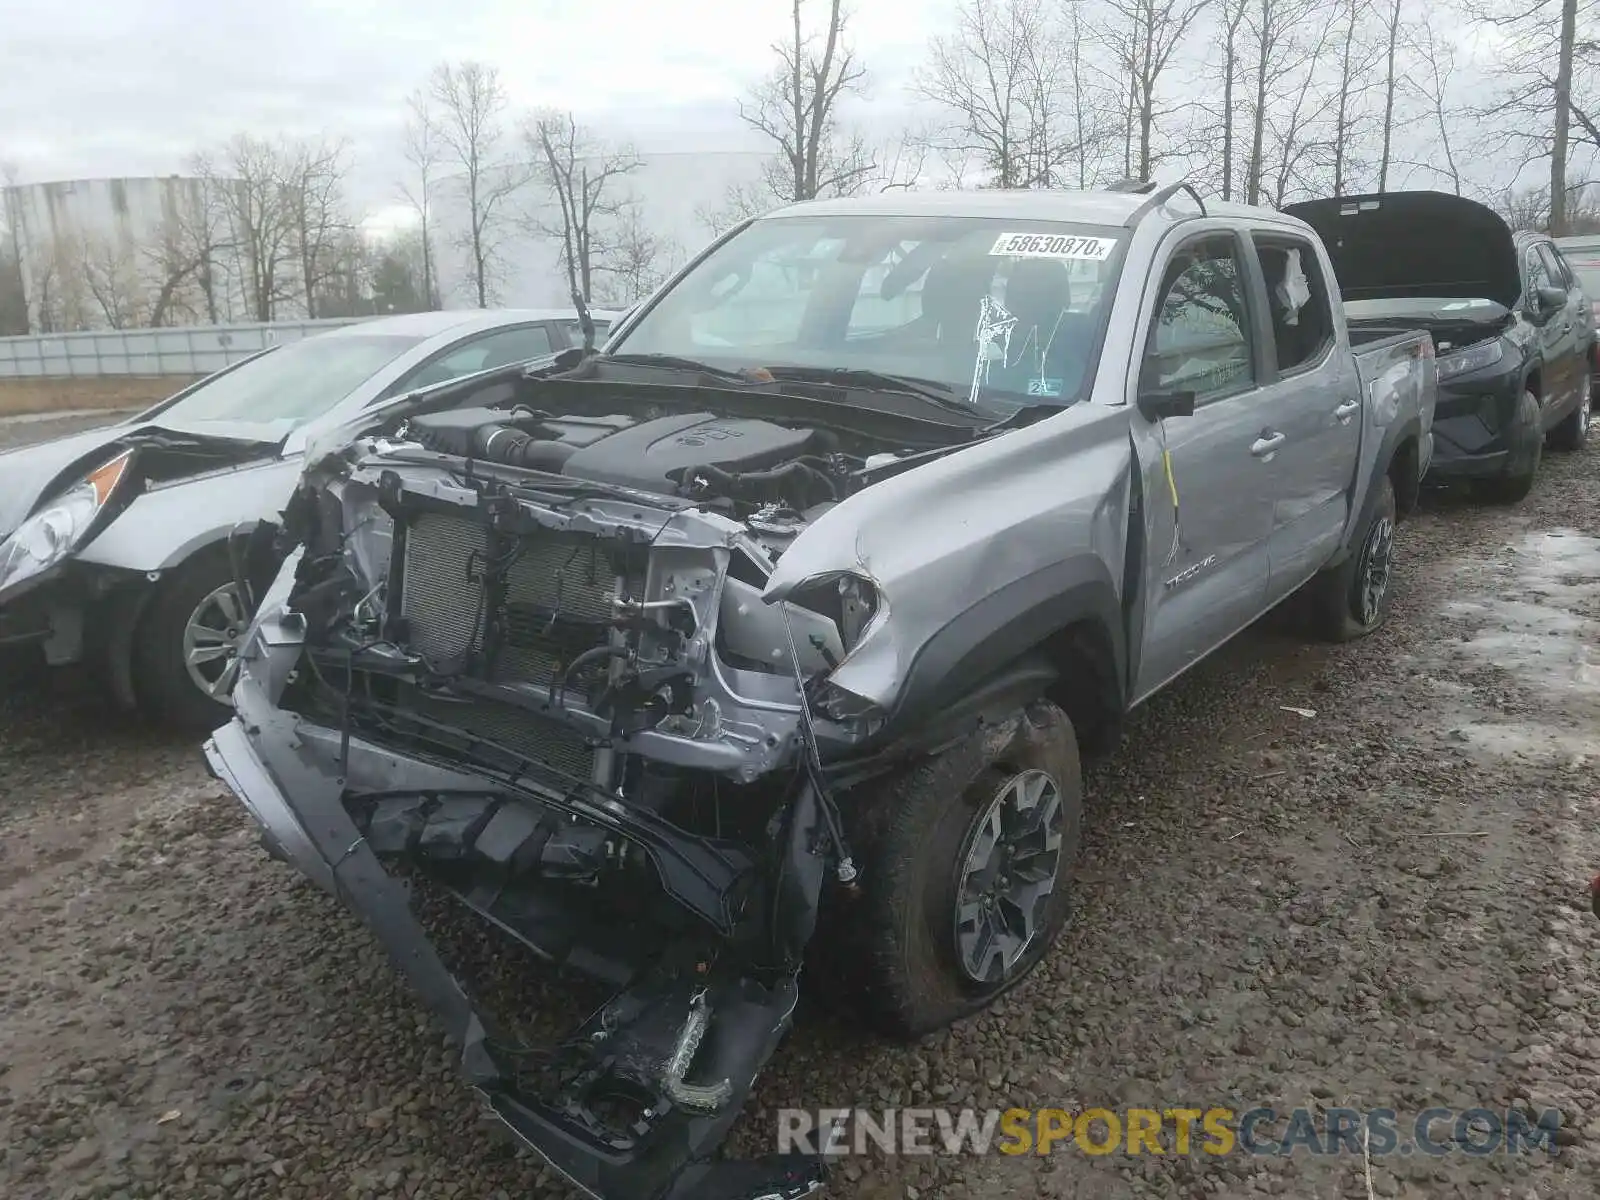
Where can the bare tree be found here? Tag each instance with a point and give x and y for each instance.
(638, 259)
(470, 105)
(424, 151)
(1006, 78)
(1278, 56)
(182, 264)
(742, 201)
(1562, 117)
(977, 75)
(1295, 117)
(1232, 22)
(14, 318)
(797, 109)
(1358, 56)
(1433, 66)
(344, 284)
(246, 184)
(583, 176)
(1549, 89)
(45, 277)
(1390, 84)
(110, 272)
(312, 186)
(1089, 132)
(61, 299)
(1142, 36)
(903, 161)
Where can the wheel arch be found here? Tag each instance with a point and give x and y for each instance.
(1057, 633)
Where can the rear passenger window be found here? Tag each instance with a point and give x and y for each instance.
(1298, 300)
(1553, 264)
(1200, 339)
(1538, 276)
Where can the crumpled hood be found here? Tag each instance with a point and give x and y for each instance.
(28, 473)
(1401, 244)
(36, 473)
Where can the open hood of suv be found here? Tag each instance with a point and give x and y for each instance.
(1415, 244)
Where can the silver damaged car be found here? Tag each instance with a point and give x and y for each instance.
(763, 644)
(124, 546)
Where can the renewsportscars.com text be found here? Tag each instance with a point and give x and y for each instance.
(1376, 1132)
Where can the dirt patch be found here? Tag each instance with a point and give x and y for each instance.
(87, 392)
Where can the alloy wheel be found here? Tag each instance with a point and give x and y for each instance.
(1008, 874)
(211, 641)
(1377, 564)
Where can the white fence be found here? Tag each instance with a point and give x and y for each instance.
(191, 350)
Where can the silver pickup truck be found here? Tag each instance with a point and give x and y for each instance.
(767, 638)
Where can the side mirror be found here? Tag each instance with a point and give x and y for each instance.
(1157, 406)
(1549, 300)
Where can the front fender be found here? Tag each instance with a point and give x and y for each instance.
(163, 528)
(976, 556)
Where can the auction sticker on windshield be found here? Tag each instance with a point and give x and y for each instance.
(1050, 245)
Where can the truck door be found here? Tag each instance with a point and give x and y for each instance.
(1206, 561)
(1567, 329)
(1555, 332)
(1312, 398)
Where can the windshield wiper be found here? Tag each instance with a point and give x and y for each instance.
(676, 363)
(931, 390)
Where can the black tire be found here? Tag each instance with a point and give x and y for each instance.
(1341, 600)
(890, 955)
(1573, 432)
(160, 670)
(1513, 486)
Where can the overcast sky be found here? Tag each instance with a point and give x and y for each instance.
(132, 87)
(96, 88)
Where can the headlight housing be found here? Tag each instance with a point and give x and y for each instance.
(1473, 358)
(56, 529)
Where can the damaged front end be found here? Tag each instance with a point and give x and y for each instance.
(568, 707)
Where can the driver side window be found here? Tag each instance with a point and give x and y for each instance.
(1200, 338)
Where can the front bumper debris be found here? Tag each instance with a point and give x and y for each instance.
(671, 1021)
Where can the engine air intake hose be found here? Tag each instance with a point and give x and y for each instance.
(511, 446)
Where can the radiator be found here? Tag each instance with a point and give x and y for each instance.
(442, 583)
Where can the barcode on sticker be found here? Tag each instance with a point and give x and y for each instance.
(1053, 245)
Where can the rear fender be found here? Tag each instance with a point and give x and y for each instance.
(1393, 437)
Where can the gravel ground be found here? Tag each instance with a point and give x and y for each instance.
(1378, 905)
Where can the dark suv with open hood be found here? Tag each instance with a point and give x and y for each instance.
(1513, 328)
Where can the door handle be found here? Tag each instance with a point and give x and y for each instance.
(1347, 410)
(1267, 443)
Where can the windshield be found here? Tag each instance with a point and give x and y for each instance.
(291, 385)
(1001, 313)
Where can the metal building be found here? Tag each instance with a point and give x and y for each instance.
(95, 253)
